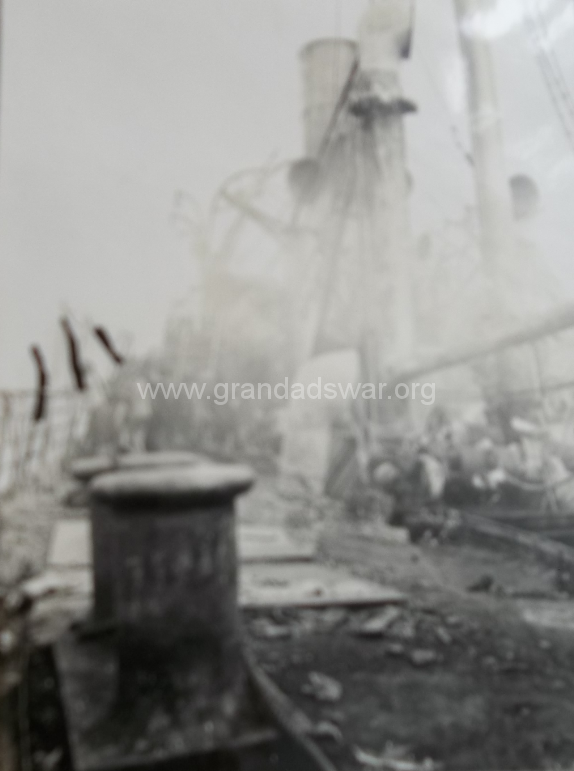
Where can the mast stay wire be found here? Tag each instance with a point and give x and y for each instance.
(456, 134)
(456, 137)
(550, 78)
(552, 56)
(454, 129)
(300, 201)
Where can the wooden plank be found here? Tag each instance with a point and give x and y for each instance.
(70, 544)
(308, 585)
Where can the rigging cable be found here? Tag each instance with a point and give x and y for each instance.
(553, 61)
(454, 129)
(550, 78)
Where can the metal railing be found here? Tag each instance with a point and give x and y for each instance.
(33, 453)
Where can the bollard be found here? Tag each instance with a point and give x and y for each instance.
(87, 469)
(175, 575)
(84, 470)
(171, 682)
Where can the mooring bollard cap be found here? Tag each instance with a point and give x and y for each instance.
(86, 469)
(207, 483)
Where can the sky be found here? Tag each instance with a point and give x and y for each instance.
(108, 107)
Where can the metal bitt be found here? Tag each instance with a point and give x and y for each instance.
(176, 574)
(84, 470)
(87, 469)
(171, 682)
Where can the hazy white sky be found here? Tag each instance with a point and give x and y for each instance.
(110, 106)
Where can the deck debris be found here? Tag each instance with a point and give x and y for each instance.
(484, 584)
(423, 657)
(394, 758)
(323, 688)
(263, 627)
(377, 625)
(327, 730)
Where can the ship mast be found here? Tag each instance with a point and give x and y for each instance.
(493, 193)
(389, 336)
(384, 40)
